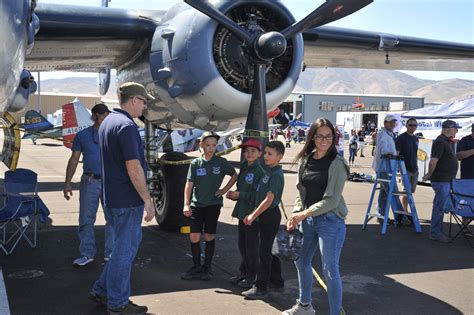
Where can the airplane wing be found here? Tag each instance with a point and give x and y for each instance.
(82, 38)
(347, 48)
(91, 39)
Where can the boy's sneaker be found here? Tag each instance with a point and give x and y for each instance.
(82, 261)
(193, 273)
(206, 273)
(246, 283)
(237, 278)
(101, 299)
(255, 294)
(129, 308)
(299, 309)
(276, 287)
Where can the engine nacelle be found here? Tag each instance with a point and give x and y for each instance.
(201, 71)
(19, 25)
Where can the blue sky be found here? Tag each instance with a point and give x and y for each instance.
(450, 20)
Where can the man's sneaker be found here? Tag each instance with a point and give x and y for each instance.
(440, 238)
(130, 308)
(255, 294)
(246, 283)
(237, 278)
(82, 261)
(193, 273)
(98, 298)
(299, 309)
(206, 273)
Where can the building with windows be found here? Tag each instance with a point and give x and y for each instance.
(307, 106)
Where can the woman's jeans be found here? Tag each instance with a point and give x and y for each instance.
(352, 154)
(328, 231)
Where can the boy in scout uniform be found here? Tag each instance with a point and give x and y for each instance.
(268, 197)
(251, 171)
(205, 176)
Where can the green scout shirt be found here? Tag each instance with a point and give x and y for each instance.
(272, 181)
(249, 177)
(207, 178)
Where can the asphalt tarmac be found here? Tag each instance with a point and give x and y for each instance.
(400, 273)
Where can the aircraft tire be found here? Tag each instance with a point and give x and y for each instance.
(169, 204)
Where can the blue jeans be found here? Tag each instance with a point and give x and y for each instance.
(326, 231)
(89, 196)
(441, 196)
(114, 282)
(383, 196)
(352, 154)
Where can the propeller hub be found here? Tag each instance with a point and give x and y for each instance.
(270, 45)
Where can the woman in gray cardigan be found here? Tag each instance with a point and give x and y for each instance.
(321, 210)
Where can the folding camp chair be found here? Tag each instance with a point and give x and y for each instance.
(462, 208)
(22, 206)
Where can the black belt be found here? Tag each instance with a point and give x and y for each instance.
(92, 175)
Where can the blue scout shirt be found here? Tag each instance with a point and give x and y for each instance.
(119, 142)
(408, 147)
(207, 177)
(87, 142)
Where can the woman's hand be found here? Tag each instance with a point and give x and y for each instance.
(295, 219)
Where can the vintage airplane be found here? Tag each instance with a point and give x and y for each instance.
(209, 65)
(75, 117)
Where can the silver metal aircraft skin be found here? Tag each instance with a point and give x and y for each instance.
(187, 61)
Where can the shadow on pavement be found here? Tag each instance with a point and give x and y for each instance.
(43, 281)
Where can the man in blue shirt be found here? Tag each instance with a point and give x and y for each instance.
(87, 143)
(407, 147)
(125, 197)
(465, 153)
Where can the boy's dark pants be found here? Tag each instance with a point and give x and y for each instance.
(269, 267)
(248, 246)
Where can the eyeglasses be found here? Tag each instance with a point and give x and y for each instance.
(412, 125)
(321, 137)
(141, 99)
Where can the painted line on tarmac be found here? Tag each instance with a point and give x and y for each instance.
(4, 307)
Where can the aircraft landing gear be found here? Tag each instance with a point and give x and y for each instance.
(168, 193)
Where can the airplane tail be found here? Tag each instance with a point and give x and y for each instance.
(76, 117)
(35, 122)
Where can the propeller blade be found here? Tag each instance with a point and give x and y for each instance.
(329, 11)
(208, 9)
(257, 121)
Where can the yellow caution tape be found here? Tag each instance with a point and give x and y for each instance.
(255, 133)
(184, 162)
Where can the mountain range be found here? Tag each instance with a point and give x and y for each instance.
(328, 80)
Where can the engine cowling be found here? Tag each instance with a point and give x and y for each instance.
(19, 25)
(201, 71)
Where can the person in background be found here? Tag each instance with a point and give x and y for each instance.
(385, 145)
(126, 197)
(442, 168)
(86, 142)
(465, 153)
(339, 142)
(353, 143)
(373, 135)
(288, 137)
(321, 209)
(361, 140)
(407, 147)
(203, 203)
